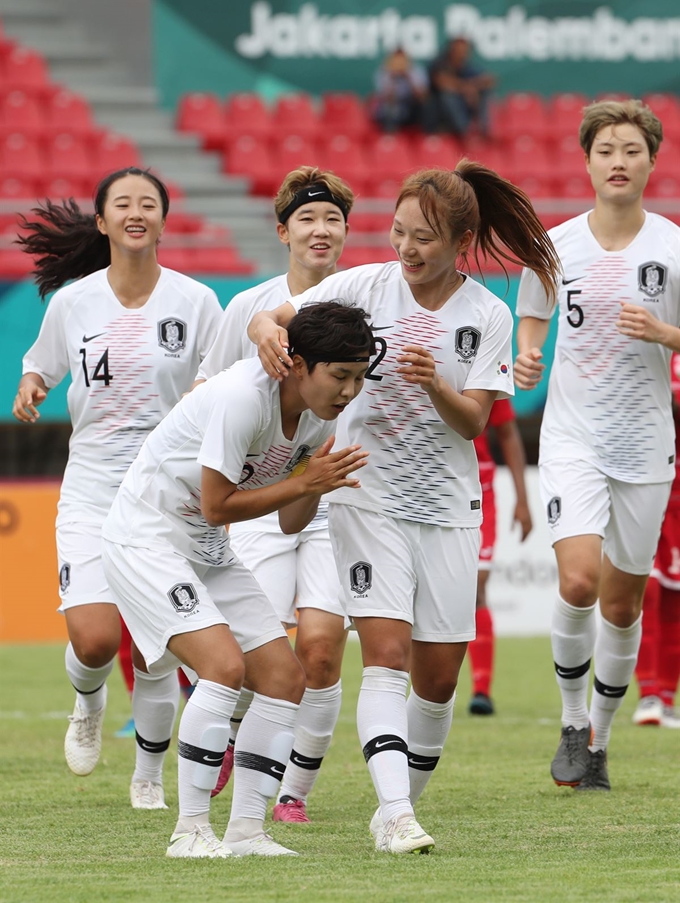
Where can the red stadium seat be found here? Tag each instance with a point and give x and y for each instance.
(569, 157)
(528, 157)
(346, 157)
(21, 112)
(387, 189)
(60, 187)
(667, 108)
(66, 111)
(249, 156)
(523, 113)
(292, 152)
(217, 260)
(203, 114)
(535, 186)
(173, 258)
(295, 114)
(668, 159)
(113, 152)
(343, 113)
(20, 155)
(481, 150)
(436, 151)
(14, 263)
(565, 112)
(67, 156)
(19, 187)
(246, 114)
(663, 186)
(26, 69)
(574, 186)
(391, 155)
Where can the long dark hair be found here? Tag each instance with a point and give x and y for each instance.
(498, 213)
(66, 243)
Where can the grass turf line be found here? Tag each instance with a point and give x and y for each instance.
(504, 832)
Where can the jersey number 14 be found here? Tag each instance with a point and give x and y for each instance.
(101, 370)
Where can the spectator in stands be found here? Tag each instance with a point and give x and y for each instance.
(401, 87)
(460, 92)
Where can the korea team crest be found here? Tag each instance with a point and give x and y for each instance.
(183, 597)
(172, 335)
(361, 577)
(64, 577)
(467, 342)
(652, 278)
(554, 509)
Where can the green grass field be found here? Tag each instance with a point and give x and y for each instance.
(504, 832)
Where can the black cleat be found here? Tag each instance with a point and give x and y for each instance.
(596, 777)
(570, 764)
(481, 704)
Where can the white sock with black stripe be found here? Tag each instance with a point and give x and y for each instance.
(155, 701)
(429, 724)
(89, 683)
(616, 652)
(573, 639)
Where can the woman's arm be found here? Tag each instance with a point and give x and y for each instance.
(531, 335)
(32, 392)
(267, 331)
(512, 450)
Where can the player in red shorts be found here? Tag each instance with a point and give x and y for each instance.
(658, 665)
(480, 652)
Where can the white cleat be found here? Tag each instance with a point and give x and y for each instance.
(403, 834)
(83, 741)
(262, 845)
(147, 795)
(670, 717)
(200, 843)
(649, 711)
(376, 824)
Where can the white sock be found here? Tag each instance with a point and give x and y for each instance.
(383, 732)
(316, 720)
(428, 727)
(573, 640)
(262, 750)
(89, 683)
(242, 706)
(155, 701)
(616, 652)
(203, 735)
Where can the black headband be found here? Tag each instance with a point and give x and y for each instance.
(312, 194)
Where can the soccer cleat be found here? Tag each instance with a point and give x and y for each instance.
(261, 845)
(225, 771)
(571, 759)
(403, 834)
(481, 704)
(596, 777)
(200, 843)
(376, 824)
(649, 711)
(670, 717)
(127, 730)
(290, 810)
(147, 795)
(83, 741)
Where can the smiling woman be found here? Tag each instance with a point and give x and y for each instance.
(132, 335)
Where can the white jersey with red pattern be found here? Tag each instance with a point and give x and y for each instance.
(128, 368)
(609, 398)
(231, 424)
(419, 468)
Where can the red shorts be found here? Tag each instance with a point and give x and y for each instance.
(667, 562)
(488, 527)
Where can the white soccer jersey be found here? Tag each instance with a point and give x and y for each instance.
(232, 424)
(609, 397)
(128, 368)
(419, 468)
(232, 344)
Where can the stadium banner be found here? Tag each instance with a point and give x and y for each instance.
(523, 581)
(30, 597)
(279, 46)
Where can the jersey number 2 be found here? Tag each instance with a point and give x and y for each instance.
(101, 371)
(380, 344)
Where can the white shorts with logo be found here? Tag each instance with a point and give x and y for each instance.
(81, 574)
(422, 574)
(579, 499)
(301, 563)
(160, 595)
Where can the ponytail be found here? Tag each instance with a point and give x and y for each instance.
(505, 225)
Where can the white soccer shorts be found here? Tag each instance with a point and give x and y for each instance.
(422, 574)
(81, 574)
(579, 499)
(160, 595)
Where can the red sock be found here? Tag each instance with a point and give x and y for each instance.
(646, 668)
(481, 653)
(125, 657)
(669, 644)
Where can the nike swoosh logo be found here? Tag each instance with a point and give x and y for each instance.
(380, 328)
(569, 281)
(145, 745)
(89, 338)
(607, 692)
(296, 761)
(385, 743)
(277, 771)
(210, 759)
(313, 194)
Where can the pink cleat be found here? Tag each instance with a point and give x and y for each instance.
(225, 771)
(290, 810)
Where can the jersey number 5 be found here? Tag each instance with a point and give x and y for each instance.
(575, 310)
(101, 370)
